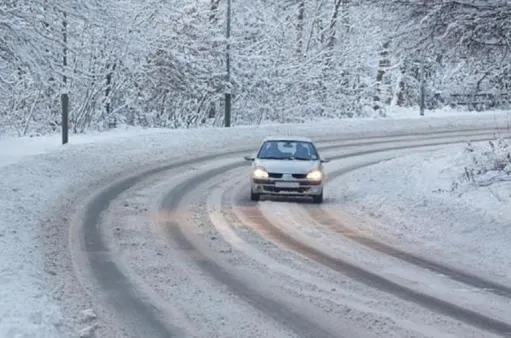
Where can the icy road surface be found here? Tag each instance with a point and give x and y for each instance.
(154, 235)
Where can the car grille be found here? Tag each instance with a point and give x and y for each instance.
(274, 189)
(269, 182)
(299, 176)
(278, 175)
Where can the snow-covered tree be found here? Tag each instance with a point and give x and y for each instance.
(157, 63)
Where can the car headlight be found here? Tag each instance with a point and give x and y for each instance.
(260, 173)
(315, 175)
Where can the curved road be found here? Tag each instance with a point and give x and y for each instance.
(250, 272)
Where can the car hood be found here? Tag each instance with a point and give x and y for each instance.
(287, 166)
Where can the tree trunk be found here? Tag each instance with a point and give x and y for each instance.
(214, 8)
(299, 27)
(383, 64)
(338, 6)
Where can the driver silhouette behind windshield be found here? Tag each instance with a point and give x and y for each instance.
(271, 150)
(302, 152)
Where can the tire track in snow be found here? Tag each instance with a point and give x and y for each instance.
(345, 301)
(293, 219)
(454, 311)
(468, 316)
(142, 318)
(279, 311)
(324, 218)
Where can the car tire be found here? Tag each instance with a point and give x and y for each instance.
(317, 199)
(254, 196)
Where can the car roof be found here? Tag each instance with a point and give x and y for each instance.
(288, 138)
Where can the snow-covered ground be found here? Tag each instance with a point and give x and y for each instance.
(39, 178)
(13, 149)
(414, 112)
(452, 205)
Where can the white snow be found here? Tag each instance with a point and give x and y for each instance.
(39, 177)
(414, 112)
(88, 315)
(491, 163)
(428, 198)
(87, 332)
(13, 149)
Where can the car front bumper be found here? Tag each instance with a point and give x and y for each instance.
(287, 187)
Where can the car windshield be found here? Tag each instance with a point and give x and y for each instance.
(288, 150)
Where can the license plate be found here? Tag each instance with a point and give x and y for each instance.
(287, 184)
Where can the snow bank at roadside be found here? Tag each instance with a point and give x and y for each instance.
(453, 205)
(13, 149)
(414, 112)
(37, 178)
(490, 162)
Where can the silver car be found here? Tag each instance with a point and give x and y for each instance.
(289, 166)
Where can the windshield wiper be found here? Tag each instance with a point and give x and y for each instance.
(272, 158)
(288, 158)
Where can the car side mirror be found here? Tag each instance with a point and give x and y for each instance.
(249, 158)
(325, 160)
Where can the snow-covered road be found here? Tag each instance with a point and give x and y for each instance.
(425, 202)
(160, 240)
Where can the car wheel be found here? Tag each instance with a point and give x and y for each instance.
(254, 196)
(317, 198)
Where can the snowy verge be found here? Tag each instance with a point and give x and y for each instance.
(42, 180)
(490, 163)
(451, 205)
(414, 112)
(13, 149)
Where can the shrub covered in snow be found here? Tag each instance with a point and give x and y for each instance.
(490, 162)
